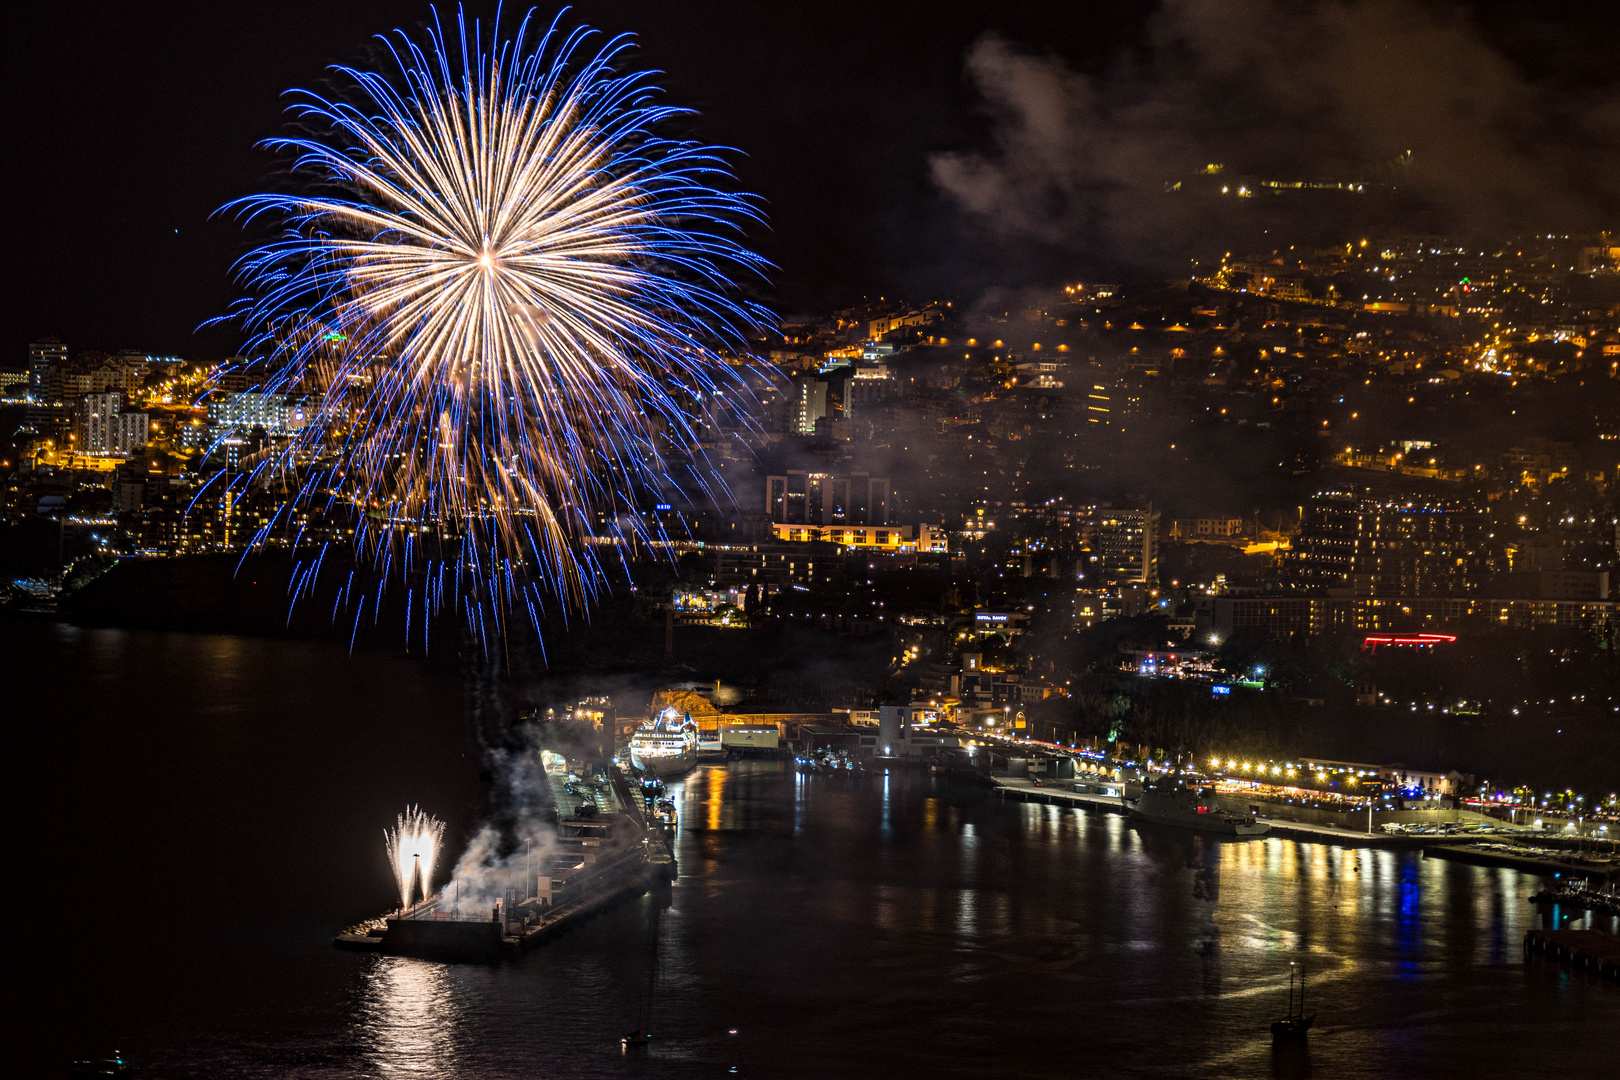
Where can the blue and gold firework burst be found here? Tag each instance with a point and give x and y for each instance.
(512, 300)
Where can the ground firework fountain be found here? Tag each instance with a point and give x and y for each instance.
(412, 847)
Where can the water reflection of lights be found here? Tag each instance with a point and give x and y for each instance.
(887, 826)
(679, 790)
(799, 793)
(717, 788)
(408, 1017)
(967, 914)
(1114, 826)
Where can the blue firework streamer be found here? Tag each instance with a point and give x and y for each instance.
(512, 300)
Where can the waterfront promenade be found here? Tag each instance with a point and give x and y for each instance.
(1024, 790)
(1462, 848)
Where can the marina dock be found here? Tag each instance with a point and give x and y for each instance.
(1585, 950)
(1529, 862)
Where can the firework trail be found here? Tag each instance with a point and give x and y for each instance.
(413, 844)
(511, 300)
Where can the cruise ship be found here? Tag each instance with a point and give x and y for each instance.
(666, 745)
(1167, 801)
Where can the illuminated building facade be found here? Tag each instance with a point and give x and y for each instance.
(1285, 616)
(809, 405)
(1125, 546)
(1393, 549)
(807, 498)
(894, 538)
(868, 387)
(43, 357)
(247, 410)
(103, 428)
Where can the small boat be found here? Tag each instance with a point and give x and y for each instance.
(665, 814)
(1293, 1026)
(640, 1036)
(1580, 894)
(825, 760)
(113, 1066)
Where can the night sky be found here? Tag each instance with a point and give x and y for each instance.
(911, 147)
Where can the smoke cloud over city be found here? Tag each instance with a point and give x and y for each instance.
(1417, 102)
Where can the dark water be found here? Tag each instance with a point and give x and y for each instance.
(192, 817)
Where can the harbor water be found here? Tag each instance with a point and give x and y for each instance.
(194, 816)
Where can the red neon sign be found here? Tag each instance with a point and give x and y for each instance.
(1372, 641)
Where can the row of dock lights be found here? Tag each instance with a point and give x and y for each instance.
(1567, 801)
(1288, 769)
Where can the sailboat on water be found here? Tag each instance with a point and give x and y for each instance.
(1293, 1026)
(642, 1037)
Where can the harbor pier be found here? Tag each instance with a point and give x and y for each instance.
(1591, 951)
(604, 850)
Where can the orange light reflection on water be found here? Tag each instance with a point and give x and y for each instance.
(716, 793)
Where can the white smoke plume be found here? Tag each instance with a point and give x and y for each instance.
(516, 843)
(1414, 95)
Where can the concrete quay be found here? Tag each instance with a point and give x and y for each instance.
(599, 859)
(358, 942)
(1530, 864)
(432, 934)
(1024, 790)
(552, 921)
(1585, 950)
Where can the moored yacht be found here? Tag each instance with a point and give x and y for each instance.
(666, 745)
(1169, 801)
